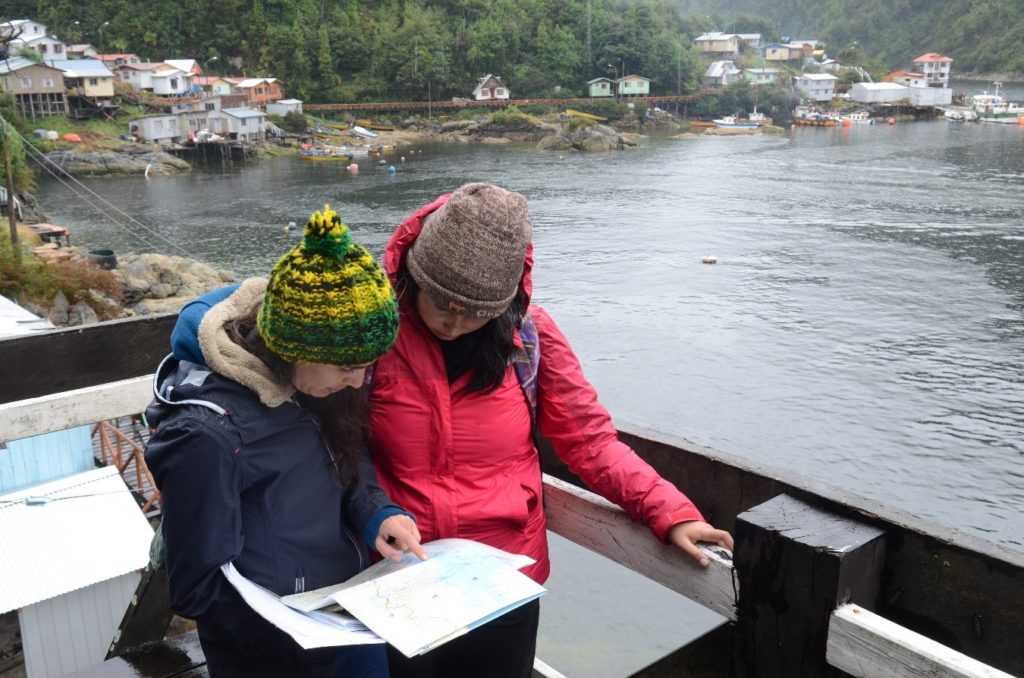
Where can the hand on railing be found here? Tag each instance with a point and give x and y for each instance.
(686, 535)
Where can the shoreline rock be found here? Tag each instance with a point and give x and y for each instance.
(127, 159)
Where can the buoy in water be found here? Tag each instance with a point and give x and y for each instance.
(402, 158)
(891, 121)
(353, 168)
(290, 226)
(391, 169)
(382, 161)
(709, 260)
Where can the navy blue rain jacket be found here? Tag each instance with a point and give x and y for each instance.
(253, 485)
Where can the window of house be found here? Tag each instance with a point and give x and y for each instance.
(499, 91)
(173, 83)
(47, 82)
(94, 81)
(211, 107)
(42, 49)
(26, 82)
(58, 48)
(125, 75)
(172, 125)
(242, 122)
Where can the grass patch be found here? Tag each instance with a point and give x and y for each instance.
(35, 282)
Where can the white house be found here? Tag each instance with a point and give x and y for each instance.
(73, 549)
(81, 51)
(158, 129)
(817, 86)
(878, 92)
(139, 75)
(490, 87)
(34, 35)
(935, 67)
(283, 107)
(246, 124)
(721, 73)
(188, 65)
(170, 81)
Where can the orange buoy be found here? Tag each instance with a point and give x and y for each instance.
(846, 122)
(891, 121)
(353, 168)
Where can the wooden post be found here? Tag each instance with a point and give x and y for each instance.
(11, 220)
(796, 564)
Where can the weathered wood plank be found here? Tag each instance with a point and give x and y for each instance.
(73, 358)
(796, 563)
(594, 523)
(60, 411)
(864, 644)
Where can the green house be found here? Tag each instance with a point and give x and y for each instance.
(634, 85)
(601, 87)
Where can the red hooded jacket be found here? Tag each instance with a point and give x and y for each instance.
(464, 462)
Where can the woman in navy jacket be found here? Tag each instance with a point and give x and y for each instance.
(251, 471)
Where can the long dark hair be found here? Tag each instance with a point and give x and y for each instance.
(485, 352)
(343, 416)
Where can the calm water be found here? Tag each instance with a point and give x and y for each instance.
(864, 325)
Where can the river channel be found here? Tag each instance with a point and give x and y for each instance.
(864, 324)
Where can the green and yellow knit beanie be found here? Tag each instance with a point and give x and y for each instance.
(327, 300)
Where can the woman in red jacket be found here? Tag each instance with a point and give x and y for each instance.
(452, 430)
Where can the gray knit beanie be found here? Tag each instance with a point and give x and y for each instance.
(469, 255)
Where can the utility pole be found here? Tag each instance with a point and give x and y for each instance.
(15, 244)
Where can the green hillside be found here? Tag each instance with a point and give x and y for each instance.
(351, 50)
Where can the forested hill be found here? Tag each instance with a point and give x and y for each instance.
(350, 50)
(982, 36)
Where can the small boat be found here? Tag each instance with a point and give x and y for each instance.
(954, 116)
(857, 118)
(808, 117)
(733, 121)
(325, 154)
(360, 131)
(369, 124)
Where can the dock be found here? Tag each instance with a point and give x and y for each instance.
(823, 582)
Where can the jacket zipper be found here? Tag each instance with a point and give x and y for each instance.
(334, 464)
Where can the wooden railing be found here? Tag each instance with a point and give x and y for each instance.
(819, 579)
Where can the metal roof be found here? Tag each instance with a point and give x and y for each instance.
(243, 112)
(82, 68)
(17, 63)
(67, 534)
(15, 320)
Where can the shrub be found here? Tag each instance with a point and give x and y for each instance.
(38, 283)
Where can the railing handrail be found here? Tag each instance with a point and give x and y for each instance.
(859, 642)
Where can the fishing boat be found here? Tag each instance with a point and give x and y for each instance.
(857, 118)
(702, 124)
(733, 121)
(380, 127)
(359, 131)
(808, 117)
(325, 154)
(995, 107)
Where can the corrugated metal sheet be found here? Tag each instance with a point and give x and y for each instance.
(73, 632)
(34, 460)
(68, 534)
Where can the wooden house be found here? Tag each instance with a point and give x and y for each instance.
(906, 78)
(284, 106)
(190, 66)
(245, 124)
(721, 73)
(718, 44)
(761, 76)
(114, 60)
(817, 86)
(633, 85)
(213, 85)
(260, 91)
(82, 51)
(25, 33)
(170, 81)
(158, 129)
(490, 87)
(935, 67)
(86, 77)
(601, 87)
(138, 75)
(38, 89)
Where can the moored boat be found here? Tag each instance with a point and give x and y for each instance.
(733, 121)
(995, 108)
(325, 153)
